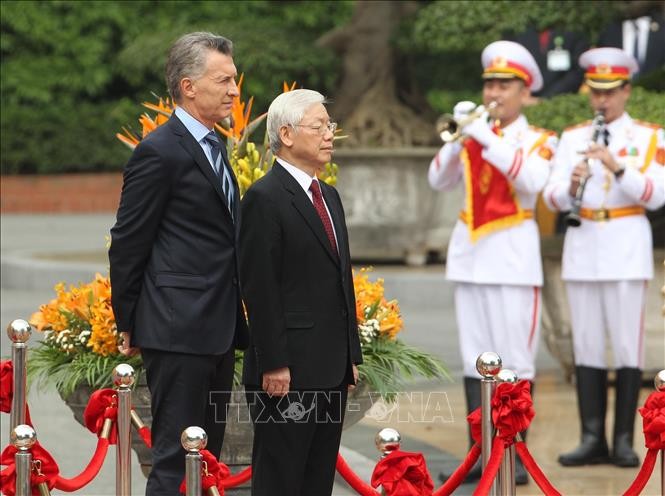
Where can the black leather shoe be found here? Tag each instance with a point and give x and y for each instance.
(591, 451)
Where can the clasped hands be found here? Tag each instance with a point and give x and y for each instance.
(277, 382)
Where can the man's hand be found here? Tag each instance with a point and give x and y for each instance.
(479, 129)
(580, 172)
(355, 377)
(124, 347)
(600, 152)
(276, 382)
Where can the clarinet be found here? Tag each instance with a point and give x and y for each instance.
(573, 218)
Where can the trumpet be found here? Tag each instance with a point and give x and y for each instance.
(450, 129)
(573, 218)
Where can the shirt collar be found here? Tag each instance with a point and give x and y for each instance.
(195, 128)
(304, 179)
(516, 126)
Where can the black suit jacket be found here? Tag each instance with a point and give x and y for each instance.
(173, 250)
(655, 55)
(299, 294)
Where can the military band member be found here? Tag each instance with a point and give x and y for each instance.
(494, 251)
(608, 259)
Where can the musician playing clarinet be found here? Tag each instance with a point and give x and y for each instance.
(608, 259)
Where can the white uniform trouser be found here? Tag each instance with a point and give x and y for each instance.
(617, 306)
(500, 318)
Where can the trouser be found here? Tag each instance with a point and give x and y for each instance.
(296, 441)
(500, 318)
(185, 390)
(615, 306)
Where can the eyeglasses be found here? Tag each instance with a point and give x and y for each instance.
(321, 130)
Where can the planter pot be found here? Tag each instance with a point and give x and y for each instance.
(391, 211)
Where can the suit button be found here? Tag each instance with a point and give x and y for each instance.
(344, 313)
(234, 281)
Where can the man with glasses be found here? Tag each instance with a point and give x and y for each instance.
(298, 290)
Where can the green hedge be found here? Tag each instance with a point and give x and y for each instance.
(563, 111)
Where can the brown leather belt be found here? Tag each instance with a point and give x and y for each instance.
(528, 214)
(602, 214)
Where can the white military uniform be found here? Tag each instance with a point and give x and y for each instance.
(606, 263)
(497, 296)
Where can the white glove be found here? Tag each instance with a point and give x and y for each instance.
(463, 109)
(479, 130)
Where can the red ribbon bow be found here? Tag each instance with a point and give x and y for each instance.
(6, 385)
(103, 404)
(403, 474)
(214, 472)
(512, 409)
(48, 470)
(653, 420)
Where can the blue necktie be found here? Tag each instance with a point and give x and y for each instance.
(222, 172)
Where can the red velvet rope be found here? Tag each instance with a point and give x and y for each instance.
(356, 483)
(146, 435)
(460, 474)
(653, 426)
(89, 473)
(490, 471)
(643, 475)
(532, 467)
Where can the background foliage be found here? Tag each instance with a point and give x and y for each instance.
(72, 73)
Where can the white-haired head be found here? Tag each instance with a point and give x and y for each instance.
(288, 109)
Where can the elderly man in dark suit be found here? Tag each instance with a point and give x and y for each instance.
(298, 288)
(173, 257)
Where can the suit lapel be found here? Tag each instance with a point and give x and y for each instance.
(304, 206)
(194, 149)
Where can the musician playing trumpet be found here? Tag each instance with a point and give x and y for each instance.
(608, 259)
(494, 250)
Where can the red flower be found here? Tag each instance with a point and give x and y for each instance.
(512, 409)
(403, 474)
(653, 421)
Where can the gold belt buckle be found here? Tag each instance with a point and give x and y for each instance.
(601, 215)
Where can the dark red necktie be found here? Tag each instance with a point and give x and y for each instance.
(323, 214)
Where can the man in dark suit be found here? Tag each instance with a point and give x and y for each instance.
(173, 258)
(298, 289)
(642, 37)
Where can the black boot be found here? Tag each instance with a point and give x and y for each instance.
(592, 404)
(628, 385)
(472, 395)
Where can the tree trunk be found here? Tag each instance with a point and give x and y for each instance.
(366, 101)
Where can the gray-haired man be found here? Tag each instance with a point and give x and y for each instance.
(298, 288)
(173, 257)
